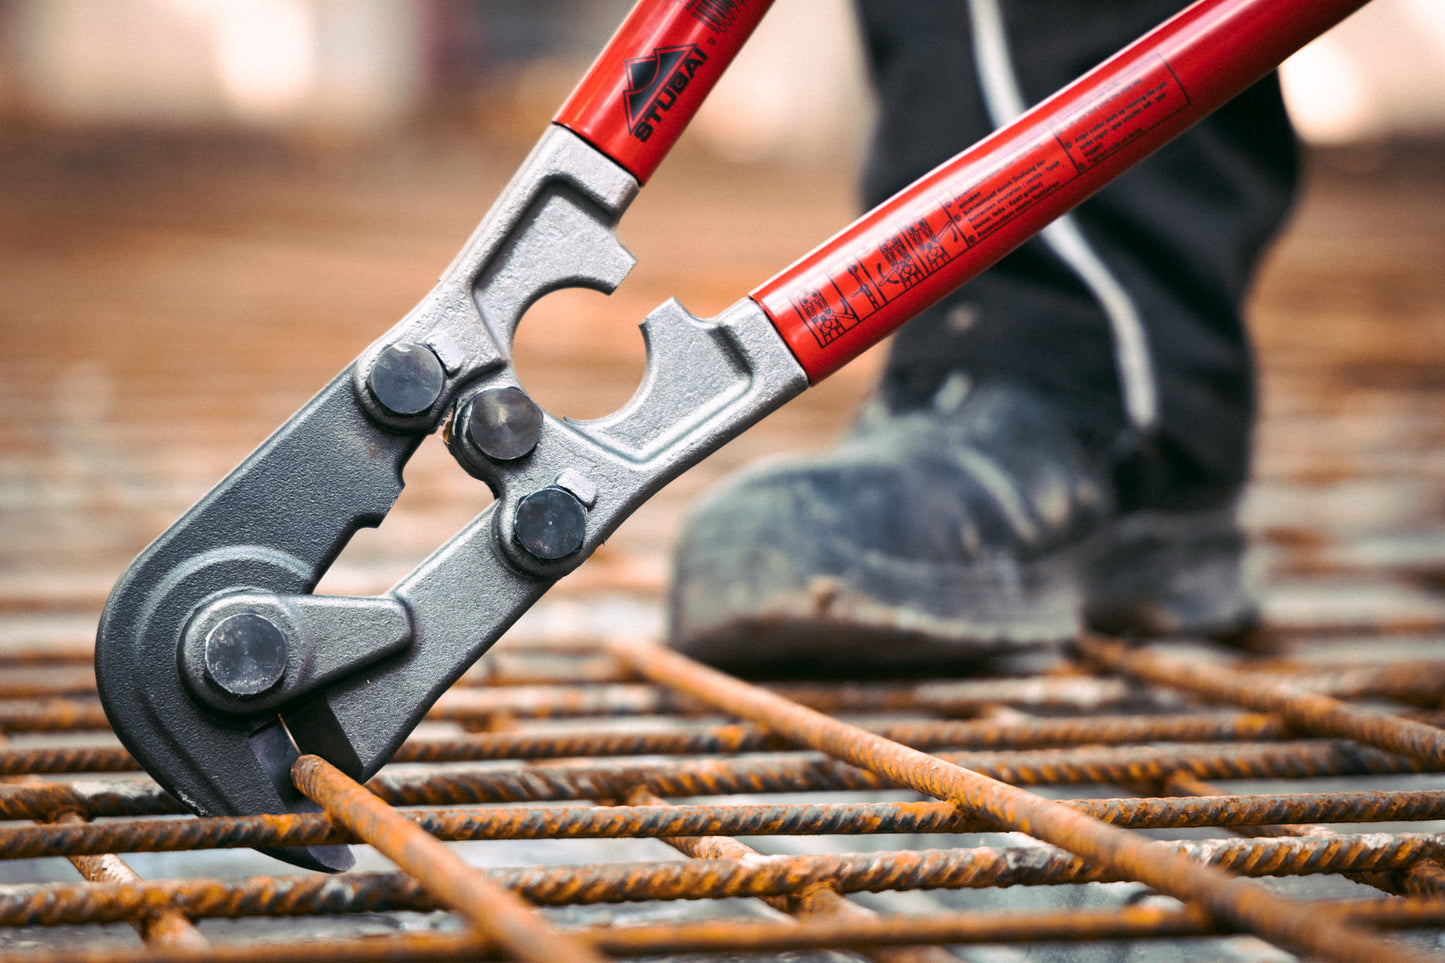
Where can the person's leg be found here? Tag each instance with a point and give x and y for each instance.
(1064, 437)
(1178, 237)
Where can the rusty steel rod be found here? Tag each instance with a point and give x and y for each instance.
(128, 797)
(1036, 766)
(47, 711)
(711, 739)
(923, 734)
(62, 759)
(40, 681)
(575, 822)
(1310, 711)
(1238, 901)
(783, 772)
(1420, 878)
(948, 697)
(766, 936)
(797, 772)
(589, 693)
(494, 912)
(616, 822)
(763, 876)
(52, 715)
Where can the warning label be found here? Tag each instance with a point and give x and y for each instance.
(1128, 108)
(846, 295)
(1010, 190)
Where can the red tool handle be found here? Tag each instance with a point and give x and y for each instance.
(947, 227)
(654, 74)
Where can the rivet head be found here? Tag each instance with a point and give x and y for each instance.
(551, 523)
(406, 378)
(246, 654)
(503, 423)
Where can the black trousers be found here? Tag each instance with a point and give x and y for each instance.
(1180, 236)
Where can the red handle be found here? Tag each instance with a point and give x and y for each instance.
(653, 75)
(947, 227)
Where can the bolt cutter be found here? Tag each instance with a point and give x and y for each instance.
(217, 665)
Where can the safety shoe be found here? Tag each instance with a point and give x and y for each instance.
(942, 538)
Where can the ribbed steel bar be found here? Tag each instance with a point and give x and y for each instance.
(122, 797)
(39, 681)
(759, 876)
(51, 715)
(784, 772)
(775, 937)
(65, 759)
(678, 740)
(947, 697)
(494, 912)
(1408, 680)
(923, 734)
(799, 772)
(44, 710)
(1419, 878)
(1309, 711)
(615, 822)
(1240, 902)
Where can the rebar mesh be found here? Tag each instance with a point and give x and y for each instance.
(1182, 770)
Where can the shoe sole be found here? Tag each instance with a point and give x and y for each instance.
(1148, 574)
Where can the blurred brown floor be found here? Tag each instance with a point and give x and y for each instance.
(166, 301)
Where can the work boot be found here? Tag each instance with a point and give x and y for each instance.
(940, 538)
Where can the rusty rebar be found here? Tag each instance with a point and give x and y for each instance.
(494, 912)
(35, 761)
(948, 697)
(784, 772)
(923, 734)
(763, 876)
(44, 710)
(51, 715)
(1034, 766)
(616, 822)
(637, 821)
(121, 797)
(1240, 902)
(1420, 878)
(766, 936)
(798, 772)
(1310, 711)
(712, 739)
(54, 679)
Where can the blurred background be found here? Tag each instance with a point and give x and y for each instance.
(316, 68)
(207, 207)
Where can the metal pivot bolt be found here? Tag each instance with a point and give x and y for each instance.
(246, 654)
(406, 378)
(551, 523)
(503, 423)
